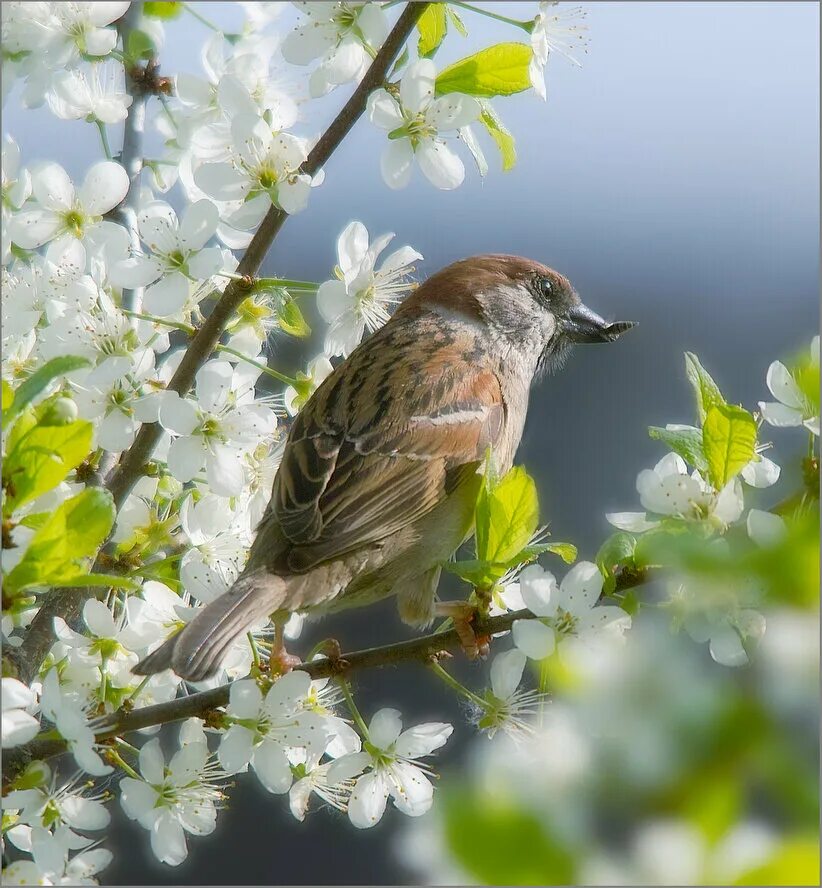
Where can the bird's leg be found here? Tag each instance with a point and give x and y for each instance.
(333, 652)
(464, 614)
(280, 661)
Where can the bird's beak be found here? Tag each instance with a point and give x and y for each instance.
(584, 325)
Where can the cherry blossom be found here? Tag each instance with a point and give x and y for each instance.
(414, 123)
(361, 297)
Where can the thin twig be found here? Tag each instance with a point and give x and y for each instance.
(419, 650)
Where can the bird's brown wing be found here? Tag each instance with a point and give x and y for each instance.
(380, 443)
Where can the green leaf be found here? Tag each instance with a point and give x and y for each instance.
(500, 70)
(292, 320)
(38, 380)
(796, 862)
(74, 531)
(8, 396)
(507, 514)
(706, 390)
(500, 134)
(566, 551)
(616, 551)
(729, 441)
(433, 26)
(140, 46)
(496, 842)
(687, 442)
(162, 10)
(42, 458)
(456, 21)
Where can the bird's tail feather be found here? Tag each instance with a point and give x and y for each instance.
(195, 653)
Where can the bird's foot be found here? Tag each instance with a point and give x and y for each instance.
(280, 661)
(464, 615)
(332, 651)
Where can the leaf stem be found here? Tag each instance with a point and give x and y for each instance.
(525, 26)
(285, 284)
(201, 18)
(352, 707)
(101, 128)
(265, 369)
(115, 757)
(456, 685)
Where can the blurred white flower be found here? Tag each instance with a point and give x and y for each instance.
(50, 805)
(19, 702)
(414, 123)
(359, 300)
(567, 610)
(311, 776)
(171, 800)
(16, 189)
(765, 528)
(392, 769)
(50, 863)
(792, 407)
(344, 36)
(178, 255)
(557, 32)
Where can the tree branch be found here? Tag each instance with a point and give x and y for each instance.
(131, 157)
(67, 603)
(418, 650)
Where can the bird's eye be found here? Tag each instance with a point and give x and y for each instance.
(545, 286)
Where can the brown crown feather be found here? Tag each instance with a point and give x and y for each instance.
(456, 286)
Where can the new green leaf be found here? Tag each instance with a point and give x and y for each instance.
(507, 515)
(31, 388)
(500, 134)
(74, 531)
(729, 441)
(292, 320)
(706, 390)
(500, 70)
(165, 9)
(433, 26)
(686, 441)
(42, 458)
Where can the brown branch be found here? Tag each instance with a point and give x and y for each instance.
(67, 603)
(419, 650)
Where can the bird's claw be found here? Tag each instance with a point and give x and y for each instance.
(464, 615)
(332, 651)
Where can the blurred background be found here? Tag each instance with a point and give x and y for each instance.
(674, 178)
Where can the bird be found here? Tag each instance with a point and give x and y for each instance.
(382, 467)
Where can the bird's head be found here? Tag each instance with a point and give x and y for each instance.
(519, 300)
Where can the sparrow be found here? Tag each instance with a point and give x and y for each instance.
(382, 467)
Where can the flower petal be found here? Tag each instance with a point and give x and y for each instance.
(417, 85)
(271, 765)
(506, 672)
(105, 185)
(185, 457)
(167, 296)
(533, 638)
(538, 589)
(396, 163)
(440, 164)
(383, 110)
(580, 588)
(385, 727)
(780, 415)
(152, 763)
(783, 386)
(452, 111)
(424, 739)
(368, 799)
(199, 223)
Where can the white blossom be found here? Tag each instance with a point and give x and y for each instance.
(506, 707)
(178, 255)
(344, 36)
(172, 800)
(64, 213)
(569, 609)
(792, 406)
(557, 32)
(318, 369)
(414, 123)
(95, 92)
(361, 296)
(392, 768)
(265, 726)
(19, 702)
